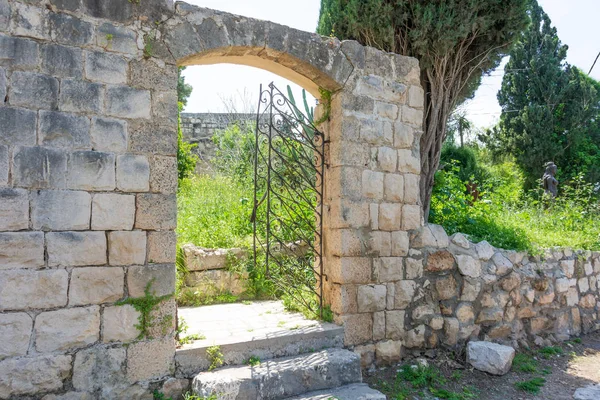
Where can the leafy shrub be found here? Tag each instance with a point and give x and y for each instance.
(186, 160)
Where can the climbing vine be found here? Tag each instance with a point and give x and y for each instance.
(326, 101)
(145, 305)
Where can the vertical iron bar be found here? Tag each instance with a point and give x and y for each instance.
(268, 234)
(256, 150)
(321, 190)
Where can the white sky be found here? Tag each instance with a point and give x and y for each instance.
(576, 21)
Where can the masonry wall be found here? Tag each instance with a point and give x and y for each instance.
(87, 198)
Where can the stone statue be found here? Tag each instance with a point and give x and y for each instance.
(550, 182)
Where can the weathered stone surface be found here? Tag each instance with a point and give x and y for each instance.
(19, 53)
(29, 20)
(18, 125)
(112, 37)
(408, 163)
(465, 313)
(133, 173)
(118, 324)
(379, 325)
(60, 210)
(414, 268)
(490, 357)
(45, 96)
(394, 324)
(15, 330)
(371, 298)
(590, 392)
(389, 269)
(80, 96)
(99, 368)
(372, 184)
(415, 338)
(503, 264)
(76, 248)
(400, 243)
(175, 388)
(91, 170)
(14, 211)
(388, 352)
(4, 165)
(39, 168)
(126, 248)
(113, 212)
(451, 326)
(404, 292)
(23, 290)
(109, 135)
(5, 12)
(61, 61)
(150, 360)
(163, 174)
(64, 130)
(152, 137)
(468, 266)
(31, 375)
(69, 396)
(161, 275)
(156, 211)
(21, 250)
(588, 301)
(568, 267)
(447, 288)
(441, 260)
(429, 235)
(393, 185)
(69, 30)
(67, 329)
(390, 216)
(485, 251)
(96, 285)
(105, 68)
(126, 102)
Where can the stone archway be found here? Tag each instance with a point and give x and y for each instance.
(91, 153)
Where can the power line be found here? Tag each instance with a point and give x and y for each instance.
(594, 63)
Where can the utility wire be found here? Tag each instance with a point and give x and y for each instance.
(594, 63)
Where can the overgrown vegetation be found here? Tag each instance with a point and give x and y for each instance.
(532, 385)
(145, 305)
(484, 197)
(215, 356)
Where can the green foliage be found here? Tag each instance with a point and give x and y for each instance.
(549, 351)
(184, 90)
(156, 395)
(524, 363)
(550, 110)
(253, 361)
(215, 356)
(466, 158)
(190, 338)
(186, 159)
(454, 41)
(191, 396)
(531, 385)
(145, 305)
(214, 212)
(421, 377)
(508, 217)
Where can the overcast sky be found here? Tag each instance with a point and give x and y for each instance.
(576, 21)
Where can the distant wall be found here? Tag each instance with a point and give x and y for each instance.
(199, 128)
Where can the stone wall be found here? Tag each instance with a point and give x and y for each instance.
(199, 128)
(448, 291)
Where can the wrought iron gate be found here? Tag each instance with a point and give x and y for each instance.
(288, 198)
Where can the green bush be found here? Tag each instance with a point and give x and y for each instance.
(186, 160)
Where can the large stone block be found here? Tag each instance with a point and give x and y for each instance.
(389, 269)
(2, 83)
(61, 61)
(490, 357)
(379, 133)
(29, 20)
(5, 12)
(64, 130)
(408, 162)
(96, 285)
(372, 184)
(60, 210)
(18, 53)
(411, 188)
(439, 261)
(33, 375)
(23, 290)
(109, 135)
(69, 30)
(156, 211)
(346, 213)
(164, 107)
(39, 168)
(162, 247)
(393, 188)
(400, 243)
(468, 266)
(386, 159)
(119, 323)
(15, 331)
(394, 324)
(45, 96)
(91, 170)
(67, 329)
(161, 278)
(18, 126)
(388, 352)
(80, 96)
(76, 248)
(150, 74)
(379, 244)
(14, 210)
(411, 217)
(113, 212)
(127, 248)
(133, 173)
(390, 216)
(99, 368)
(371, 298)
(152, 137)
(349, 269)
(126, 102)
(116, 38)
(446, 287)
(150, 360)
(358, 328)
(105, 67)
(403, 294)
(163, 174)
(21, 250)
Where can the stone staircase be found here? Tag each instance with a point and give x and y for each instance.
(326, 374)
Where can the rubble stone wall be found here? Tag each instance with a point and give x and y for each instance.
(447, 291)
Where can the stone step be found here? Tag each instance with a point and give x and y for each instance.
(281, 378)
(192, 358)
(356, 391)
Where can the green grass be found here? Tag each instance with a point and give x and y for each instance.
(421, 377)
(549, 351)
(531, 385)
(190, 338)
(524, 363)
(214, 212)
(253, 361)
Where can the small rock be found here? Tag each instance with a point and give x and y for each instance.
(460, 240)
(490, 357)
(591, 392)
